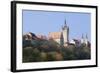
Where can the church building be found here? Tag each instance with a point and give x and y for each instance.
(61, 37)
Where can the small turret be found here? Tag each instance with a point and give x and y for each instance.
(86, 36)
(84, 39)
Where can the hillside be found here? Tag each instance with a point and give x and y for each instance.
(39, 50)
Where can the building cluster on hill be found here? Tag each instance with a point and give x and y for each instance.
(61, 37)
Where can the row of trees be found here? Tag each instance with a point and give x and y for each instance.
(49, 50)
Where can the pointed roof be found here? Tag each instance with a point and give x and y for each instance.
(86, 36)
(82, 36)
(65, 21)
(65, 25)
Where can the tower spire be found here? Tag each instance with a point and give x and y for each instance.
(65, 23)
(82, 36)
(86, 36)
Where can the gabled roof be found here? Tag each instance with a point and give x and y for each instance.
(55, 35)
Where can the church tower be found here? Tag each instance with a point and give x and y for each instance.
(84, 39)
(65, 31)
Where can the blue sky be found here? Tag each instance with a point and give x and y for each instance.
(43, 22)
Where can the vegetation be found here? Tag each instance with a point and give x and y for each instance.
(49, 50)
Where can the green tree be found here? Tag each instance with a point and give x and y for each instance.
(43, 56)
(31, 54)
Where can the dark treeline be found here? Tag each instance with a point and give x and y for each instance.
(49, 50)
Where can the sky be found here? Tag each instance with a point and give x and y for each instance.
(43, 22)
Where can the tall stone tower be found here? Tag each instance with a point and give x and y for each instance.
(65, 31)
